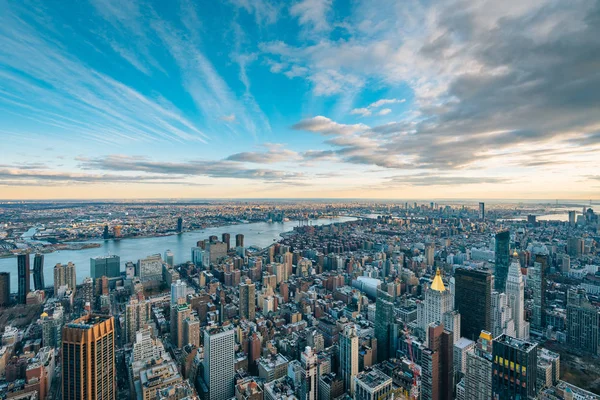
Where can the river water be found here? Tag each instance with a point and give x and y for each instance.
(260, 234)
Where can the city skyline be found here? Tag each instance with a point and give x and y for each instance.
(307, 99)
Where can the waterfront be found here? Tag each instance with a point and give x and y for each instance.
(260, 234)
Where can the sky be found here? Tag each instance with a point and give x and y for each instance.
(300, 99)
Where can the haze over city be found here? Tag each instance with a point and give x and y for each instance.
(303, 99)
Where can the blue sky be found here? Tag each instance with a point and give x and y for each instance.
(307, 98)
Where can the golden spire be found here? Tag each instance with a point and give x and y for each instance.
(438, 284)
(515, 254)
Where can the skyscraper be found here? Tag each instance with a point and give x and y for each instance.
(178, 291)
(514, 366)
(88, 359)
(226, 238)
(437, 364)
(219, 363)
(537, 282)
(430, 254)
(502, 260)
(4, 289)
(502, 318)
(137, 314)
(309, 387)
(179, 313)
(515, 293)
(23, 271)
(482, 211)
(64, 275)
(478, 377)
(38, 272)
(438, 301)
(239, 240)
(583, 322)
(179, 224)
(170, 258)
(247, 300)
(473, 299)
(109, 266)
(384, 317)
(349, 357)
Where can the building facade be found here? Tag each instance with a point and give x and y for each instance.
(88, 359)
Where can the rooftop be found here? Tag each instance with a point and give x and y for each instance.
(520, 344)
(373, 378)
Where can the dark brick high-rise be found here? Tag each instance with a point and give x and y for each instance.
(239, 240)
(473, 299)
(226, 238)
(38, 272)
(4, 289)
(502, 260)
(23, 277)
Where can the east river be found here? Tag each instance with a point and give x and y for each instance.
(260, 234)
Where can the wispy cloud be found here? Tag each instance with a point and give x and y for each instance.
(312, 13)
(212, 169)
(51, 87)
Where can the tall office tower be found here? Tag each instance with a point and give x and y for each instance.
(191, 331)
(502, 260)
(226, 238)
(247, 300)
(64, 275)
(451, 321)
(150, 268)
(170, 258)
(219, 363)
(201, 257)
(583, 322)
(309, 387)
(473, 299)
(575, 246)
(23, 271)
(179, 312)
(537, 282)
(502, 318)
(572, 218)
(384, 318)
(178, 291)
(429, 254)
(349, 357)
(137, 314)
(482, 211)
(239, 240)
(88, 359)
(514, 366)
(437, 367)
(461, 348)
(515, 293)
(4, 289)
(478, 376)
(105, 233)
(179, 224)
(438, 301)
(38, 272)
(109, 266)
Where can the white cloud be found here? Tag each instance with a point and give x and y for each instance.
(228, 118)
(382, 102)
(313, 13)
(326, 126)
(365, 112)
(384, 111)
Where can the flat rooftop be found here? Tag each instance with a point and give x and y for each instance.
(373, 378)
